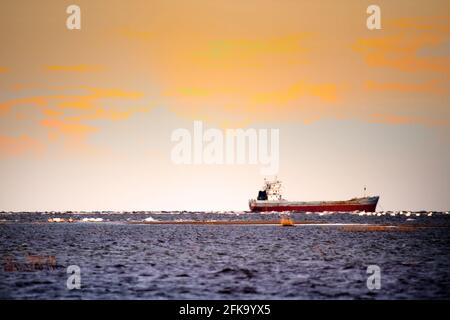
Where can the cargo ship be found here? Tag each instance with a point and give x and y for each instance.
(270, 199)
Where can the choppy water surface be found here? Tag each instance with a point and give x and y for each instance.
(119, 260)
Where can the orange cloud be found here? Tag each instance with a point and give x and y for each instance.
(100, 113)
(16, 146)
(22, 86)
(71, 129)
(399, 45)
(64, 113)
(257, 52)
(4, 70)
(400, 52)
(80, 68)
(231, 78)
(52, 113)
(326, 92)
(80, 104)
(85, 101)
(432, 86)
(416, 47)
(403, 120)
(437, 23)
(7, 105)
(135, 34)
(98, 93)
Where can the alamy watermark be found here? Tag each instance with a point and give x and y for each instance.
(74, 279)
(73, 21)
(374, 280)
(227, 147)
(373, 22)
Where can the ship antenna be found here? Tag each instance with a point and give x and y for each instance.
(364, 191)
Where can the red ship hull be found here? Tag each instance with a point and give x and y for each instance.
(367, 204)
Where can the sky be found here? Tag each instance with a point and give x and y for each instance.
(86, 115)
